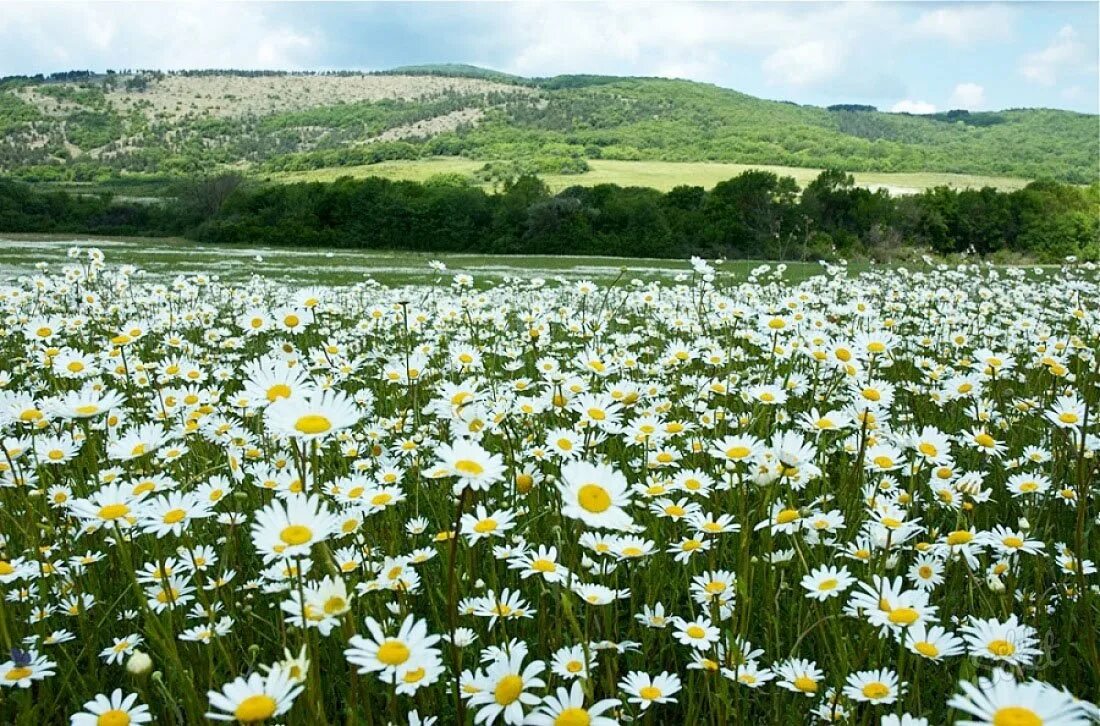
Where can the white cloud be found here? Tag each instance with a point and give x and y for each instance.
(911, 106)
(964, 25)
(1065, 52)
(45, 37)
(795, 46)
(804, 64)
(970, 96)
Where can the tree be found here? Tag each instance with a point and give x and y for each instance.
(752, 214)
(204, 198)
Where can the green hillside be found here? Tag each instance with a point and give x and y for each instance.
(87, 127)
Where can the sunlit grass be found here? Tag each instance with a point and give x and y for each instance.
(662, 175)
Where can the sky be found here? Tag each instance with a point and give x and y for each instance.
(916, 57)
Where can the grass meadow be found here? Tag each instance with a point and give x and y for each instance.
(386, 489)
(661, 175)
(161, 258)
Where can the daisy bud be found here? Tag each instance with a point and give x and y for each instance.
(139, 663)
(891, 562)
(995, 583)
(1023, 524)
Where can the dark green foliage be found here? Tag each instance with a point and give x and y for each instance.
(755, 215)
(84, 95)
(90, 130)
(15, 113)
(26, 209)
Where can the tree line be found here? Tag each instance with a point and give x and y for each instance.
(756, 214)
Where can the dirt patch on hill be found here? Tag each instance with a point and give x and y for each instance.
(174, 97)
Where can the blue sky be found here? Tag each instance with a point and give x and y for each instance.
(918, 57)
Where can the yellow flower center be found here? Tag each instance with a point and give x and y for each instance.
(985, 440)
(312, 423)
(469, 467)
(335, 605)
(805, 684)
(296, 534)
(1013, 542)
(826, 585)
(1068, 417)
(737, 452)
(543, 565)
(18, 673)
(573, 716)
(174, 515)
(393, 653)
(903, 616)
(959, 537)
(279, 390)
(508, 689)
(876, 690)
(696, 632)
(928, 449)
(1001, 648)
(649, 693)
(1016, 716)
(786, 516)
(594, 498)
(114, 717)
(168, 595)
(113, 511)
(927, 649)
(255, 708)
(485, 525)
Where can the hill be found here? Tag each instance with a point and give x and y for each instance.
(81, 126)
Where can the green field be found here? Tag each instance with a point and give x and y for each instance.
(163, 258)
(662, 175)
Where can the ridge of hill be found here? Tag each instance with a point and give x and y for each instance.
(83, 126)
